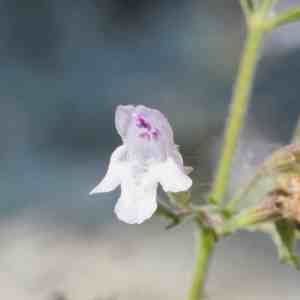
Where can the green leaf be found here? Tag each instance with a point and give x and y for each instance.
(284, 236)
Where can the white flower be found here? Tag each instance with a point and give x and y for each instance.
(147, 157)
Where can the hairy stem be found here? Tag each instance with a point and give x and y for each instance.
(241, 96)
(239, 104)
(266, 212)
(206, 241)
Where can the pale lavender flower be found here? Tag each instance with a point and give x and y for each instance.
(147, 157)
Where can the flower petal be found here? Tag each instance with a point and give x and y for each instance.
(149, 135)
(176, 155)
(114, 173)
(123, 117)
(136, 203)
(171, 176)
(158, 119)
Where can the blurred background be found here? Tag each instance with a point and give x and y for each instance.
(65, 65)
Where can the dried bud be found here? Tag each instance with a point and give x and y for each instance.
(286, 159)
(277, 185)
(287, 197)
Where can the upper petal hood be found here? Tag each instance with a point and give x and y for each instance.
(146, 132)
(123, 117)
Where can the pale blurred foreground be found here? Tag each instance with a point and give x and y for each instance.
(119, 262)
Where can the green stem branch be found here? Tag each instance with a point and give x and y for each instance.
(265, 213)
(290, 16)
(205, 245)
(247, 10)
(241, 95)
(266, 6)
(238, 110)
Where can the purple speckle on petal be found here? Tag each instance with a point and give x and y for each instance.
(142, 123)
(145, 135)
(155, 133)
(148, 133)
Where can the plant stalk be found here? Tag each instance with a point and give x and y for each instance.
(239, 105)
(206, 241)
(242, 91)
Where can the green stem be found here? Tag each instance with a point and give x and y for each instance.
(290, 16)
(266, 212)
(250, 4)
(247, 10)
(241, 95)
(238, 109)
(206, 241)
(296, 135)
(266, 6)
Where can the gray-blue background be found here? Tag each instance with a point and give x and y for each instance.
(65, 65)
